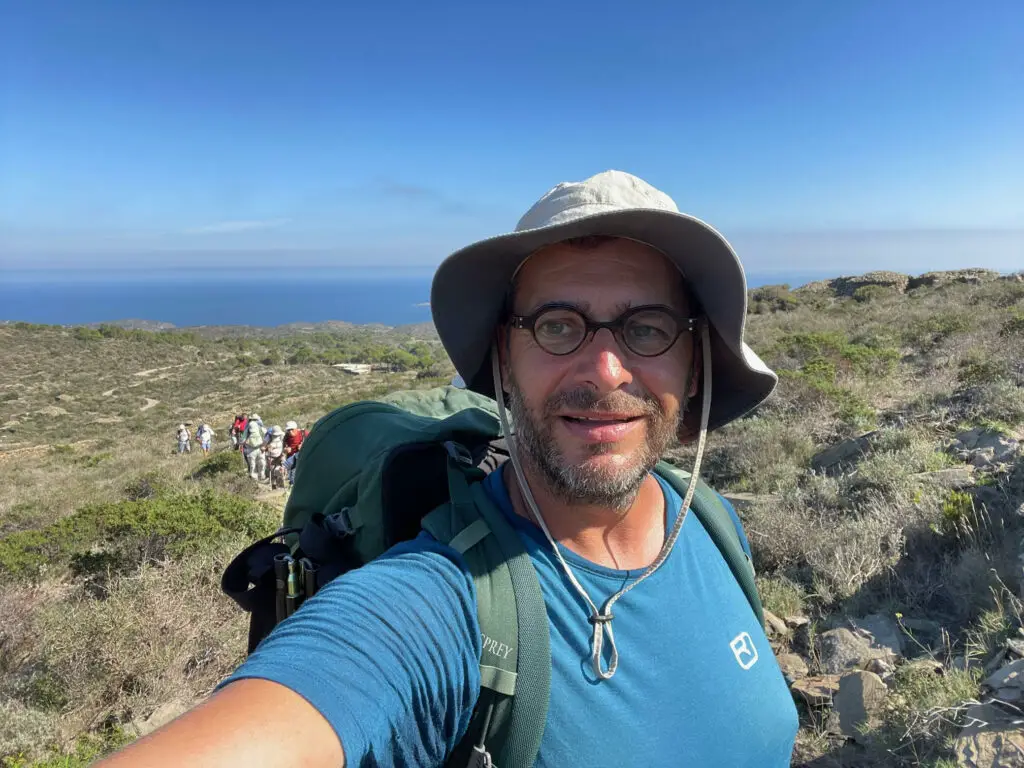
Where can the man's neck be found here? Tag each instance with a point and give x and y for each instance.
(624, 540)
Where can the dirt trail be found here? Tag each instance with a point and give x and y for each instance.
(150, 402)
(272, 497)
(163, 368)
(36, 450)
(109, 392)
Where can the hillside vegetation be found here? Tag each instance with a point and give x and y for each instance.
(881, 483)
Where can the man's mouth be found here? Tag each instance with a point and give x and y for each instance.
(601, 427)
(601, 418)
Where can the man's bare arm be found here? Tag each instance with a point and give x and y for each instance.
(255, 723)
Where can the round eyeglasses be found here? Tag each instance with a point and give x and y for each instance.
(649, 331)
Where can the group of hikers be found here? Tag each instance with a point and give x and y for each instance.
(604, 330)
(263, 449)
(204, 436)
(267, 449)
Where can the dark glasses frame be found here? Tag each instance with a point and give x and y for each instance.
(616, 326)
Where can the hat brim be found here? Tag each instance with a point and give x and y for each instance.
(468, 294)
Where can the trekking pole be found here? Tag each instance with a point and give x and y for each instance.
(309, 574)
(294, 597)
(281, 568)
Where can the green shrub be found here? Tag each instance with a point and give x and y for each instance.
(128, 532)
(957, 512)
(81, 333)
(1014, 326)
(87, 749)
(870, 361)
(873, 293)
(93, 459)
(980, 370)
(218, 464)
(771, 298)
(920, 723)
(781, 596)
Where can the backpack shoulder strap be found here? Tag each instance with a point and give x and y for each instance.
(515, 664)
(717, 521)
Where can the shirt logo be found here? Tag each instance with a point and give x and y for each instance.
(744, 650)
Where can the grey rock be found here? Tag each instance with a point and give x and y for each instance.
(859, 696)
(775, 626)
(793, 666)
(953, 478)
(982, 457)
(1008, 676)
(795, 622)
(844, 453)
(840, 650)
(985, 447)
(991, 739)
(969, 276)
(881, 632)
(882, 668)
(817, 691)
(1015, 645)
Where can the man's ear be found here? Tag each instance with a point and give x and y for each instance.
(503, 342)
(696, 369)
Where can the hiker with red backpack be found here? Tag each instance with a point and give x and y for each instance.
(568, 598)
(293, 437)
(237, 430)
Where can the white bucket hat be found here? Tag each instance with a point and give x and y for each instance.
(470, 287)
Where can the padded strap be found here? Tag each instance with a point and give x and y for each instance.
(720, 527)
(469, 536)
(515, 667)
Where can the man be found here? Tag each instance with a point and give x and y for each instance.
(273, 447)
(599, 318)
(252, 447)
(238, 429)
(205, 437)
(184, 440)
(293, 437)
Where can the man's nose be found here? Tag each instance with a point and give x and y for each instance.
(603, 364)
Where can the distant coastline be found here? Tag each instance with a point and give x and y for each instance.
(259, 297)
(256, 298)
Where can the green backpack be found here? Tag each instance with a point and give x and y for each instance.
(372, 474)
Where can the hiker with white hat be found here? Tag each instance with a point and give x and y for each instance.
(610, 326)
(184, 439)
(252, 447)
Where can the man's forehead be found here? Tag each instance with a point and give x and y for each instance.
(615, 274)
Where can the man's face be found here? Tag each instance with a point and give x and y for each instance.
(595, 422)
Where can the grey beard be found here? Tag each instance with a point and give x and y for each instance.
(580, 484)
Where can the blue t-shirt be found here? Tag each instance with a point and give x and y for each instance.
(389, 655)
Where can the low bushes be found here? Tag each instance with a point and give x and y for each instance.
(123, 534)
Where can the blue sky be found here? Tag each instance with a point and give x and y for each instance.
(829, 136)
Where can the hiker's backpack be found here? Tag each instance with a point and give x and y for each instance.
(376, 473)
(255, 437)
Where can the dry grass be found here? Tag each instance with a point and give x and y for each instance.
(94, 644)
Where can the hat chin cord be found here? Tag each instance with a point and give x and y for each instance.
(601, 620)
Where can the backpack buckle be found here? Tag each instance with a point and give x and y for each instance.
(459, 453)
(339, 524)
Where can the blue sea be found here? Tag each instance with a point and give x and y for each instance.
(218, 297)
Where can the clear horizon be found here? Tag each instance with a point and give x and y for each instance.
(841, 139)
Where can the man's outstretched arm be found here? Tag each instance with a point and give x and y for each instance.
(251, 722)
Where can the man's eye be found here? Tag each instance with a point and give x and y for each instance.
(645, 332)
(553, 328)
